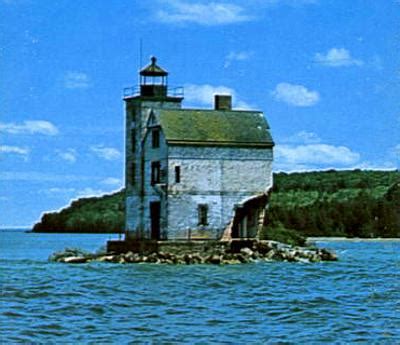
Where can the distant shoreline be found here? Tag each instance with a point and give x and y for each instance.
(353, 239)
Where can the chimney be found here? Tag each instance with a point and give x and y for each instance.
(223, 102)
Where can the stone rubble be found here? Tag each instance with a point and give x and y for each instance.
(220, 255)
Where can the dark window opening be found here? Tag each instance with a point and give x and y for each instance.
(177, 174)
(155, 138)
(133, 138)
(133, 174)
(203, 214)
(155, 172)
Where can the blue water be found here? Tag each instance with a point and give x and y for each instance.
(356, 299)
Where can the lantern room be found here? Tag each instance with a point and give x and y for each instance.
(153, 80)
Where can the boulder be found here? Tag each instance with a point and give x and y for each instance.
(74, 260)
(246, 251)
(214, 259)
(106, 258)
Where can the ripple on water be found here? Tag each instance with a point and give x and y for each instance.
(355, 299)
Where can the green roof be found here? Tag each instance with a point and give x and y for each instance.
(211, 127)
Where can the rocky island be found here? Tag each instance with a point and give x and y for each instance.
(205, 252)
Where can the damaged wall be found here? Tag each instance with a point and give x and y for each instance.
(219, 177)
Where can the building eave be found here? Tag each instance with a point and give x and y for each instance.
(220, 143)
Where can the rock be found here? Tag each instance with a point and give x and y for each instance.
(214, 259)
(188, 259)
(122, 260)
(231, 262)
(270, 255)
(242, 258)
(315, 258)
(74, 260)
(263, 247)
(106, 258)
(326, 255)
(132, 257)
(212, 254)
(162, 255)
(69, 252)
(246, 251)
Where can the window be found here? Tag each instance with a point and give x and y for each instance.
(177, 174)
(133, 174)
(202, 210)
(155, 138)
(133, 138)
(155, 173)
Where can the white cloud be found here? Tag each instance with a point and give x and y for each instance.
(112, 181)
(89, 192)
(6, 149)
(31, 176)
(312, 156)
(288, 2)
(29, 127)
(107, 153)
(210, 13)
(203, 95)
(57, 191)
(296, 95)
(69, 155)
(303, 137)
(237, 56)
(337, 57)
(367, 165)
(76, 80)
(72, 192)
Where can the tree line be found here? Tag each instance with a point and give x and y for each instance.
(326, 203)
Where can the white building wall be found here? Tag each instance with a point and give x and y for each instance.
(220, 177)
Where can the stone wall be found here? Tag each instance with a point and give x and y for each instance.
(221, 177)
(137, 113)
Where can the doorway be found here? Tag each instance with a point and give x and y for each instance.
(155, 207)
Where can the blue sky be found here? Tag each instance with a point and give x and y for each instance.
(325, 73)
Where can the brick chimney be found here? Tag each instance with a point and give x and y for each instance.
(223, 102)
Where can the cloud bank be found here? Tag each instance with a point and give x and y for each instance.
(337, 57)
(203, 95)
(29, 127)
(295, 95)
(201, 13)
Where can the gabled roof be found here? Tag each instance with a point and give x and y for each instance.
(153, 70)
(211, 127)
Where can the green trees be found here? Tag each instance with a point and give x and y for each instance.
(99, 214)
(326, 203)
(338, 203)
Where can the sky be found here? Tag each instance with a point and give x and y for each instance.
(324, 72)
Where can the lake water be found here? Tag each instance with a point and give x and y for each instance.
(356, 299)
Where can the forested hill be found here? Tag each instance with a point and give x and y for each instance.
(328, 203)
(338, 203)
(95, 214)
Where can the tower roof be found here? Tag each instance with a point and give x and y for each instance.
(153, 70)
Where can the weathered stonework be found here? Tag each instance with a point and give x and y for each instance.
(199, 176)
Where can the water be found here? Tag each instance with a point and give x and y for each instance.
(354, 300)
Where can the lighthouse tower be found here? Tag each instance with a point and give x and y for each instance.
(141, 106)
